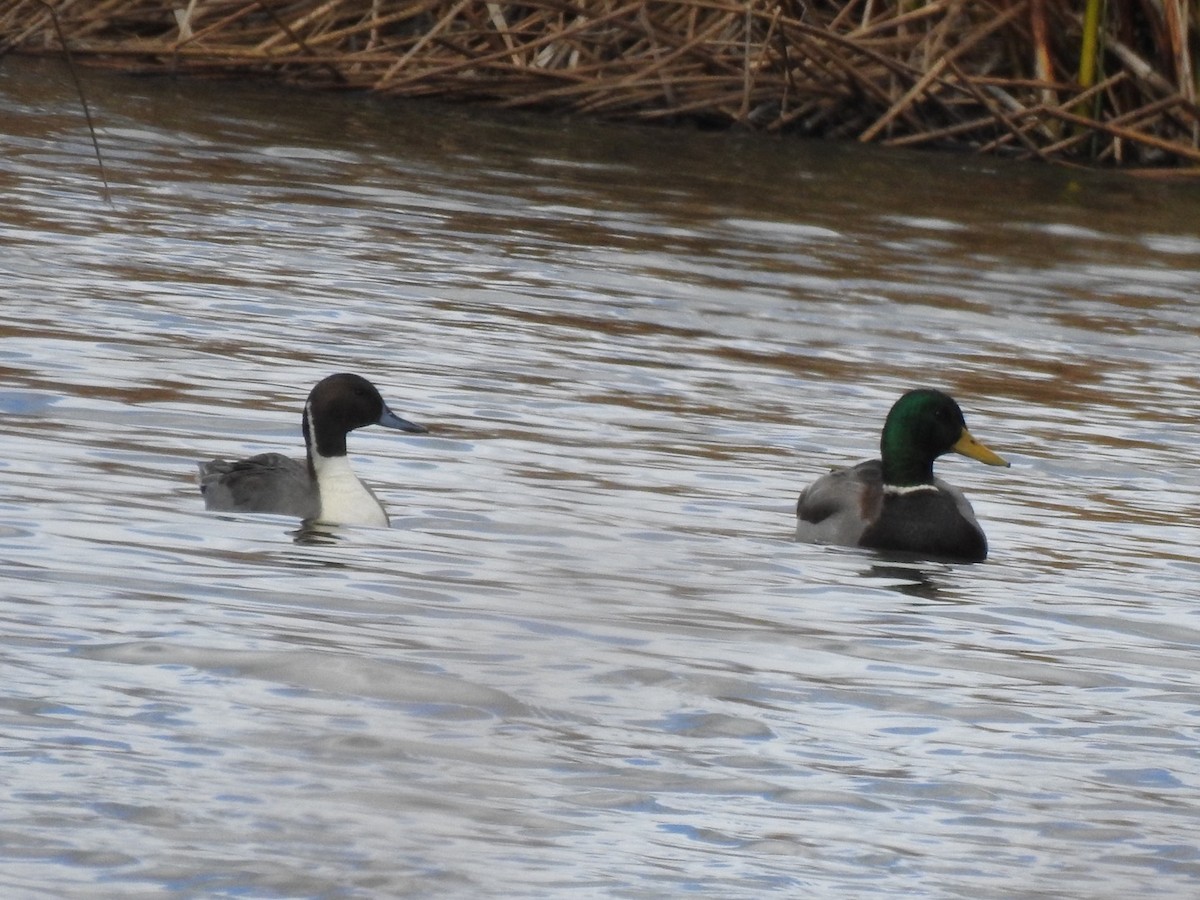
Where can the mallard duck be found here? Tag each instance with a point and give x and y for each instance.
(895, 503)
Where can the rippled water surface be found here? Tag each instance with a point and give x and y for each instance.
(588, 659)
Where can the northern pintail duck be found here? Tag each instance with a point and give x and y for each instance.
(895, 503)
(323, 487)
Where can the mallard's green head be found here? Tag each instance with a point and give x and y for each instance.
(922, 425)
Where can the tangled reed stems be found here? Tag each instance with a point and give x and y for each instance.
(1031, 78)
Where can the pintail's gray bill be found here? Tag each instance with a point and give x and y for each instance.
(389, 419)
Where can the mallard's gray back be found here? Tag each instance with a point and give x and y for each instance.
(836, 508)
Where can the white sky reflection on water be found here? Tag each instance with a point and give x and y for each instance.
(588, 658)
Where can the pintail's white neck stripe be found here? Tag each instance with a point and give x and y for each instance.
(314, 445)
(902, 489)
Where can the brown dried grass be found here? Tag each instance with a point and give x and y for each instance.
(1000, 76)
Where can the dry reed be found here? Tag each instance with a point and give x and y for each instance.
(1030, 78)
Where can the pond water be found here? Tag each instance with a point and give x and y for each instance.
(588, 659)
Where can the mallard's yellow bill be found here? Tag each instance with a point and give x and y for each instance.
(968, 446)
